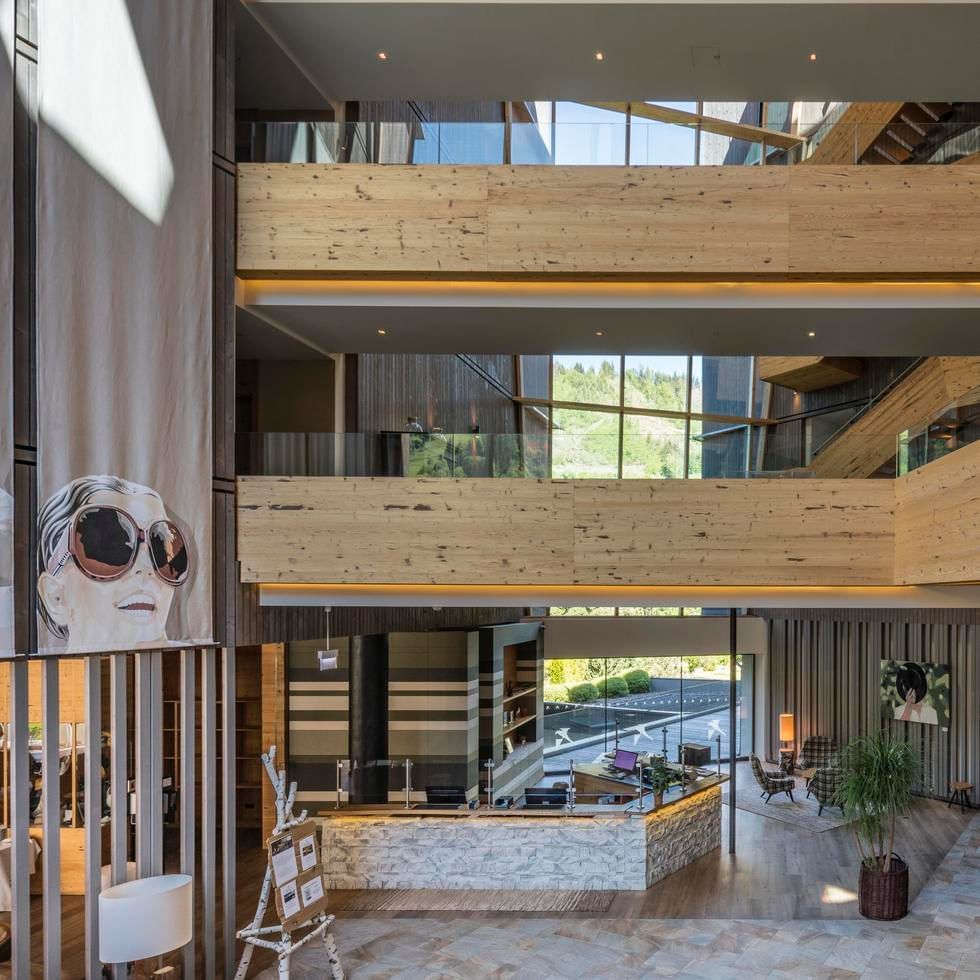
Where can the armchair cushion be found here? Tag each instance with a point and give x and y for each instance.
(825, 784)
(819, 752)
(770, 782)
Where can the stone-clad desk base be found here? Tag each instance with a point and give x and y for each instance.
(546, 851)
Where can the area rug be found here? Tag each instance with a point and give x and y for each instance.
(474, 900)
(801, 812)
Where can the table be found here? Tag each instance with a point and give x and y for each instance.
(961, 791)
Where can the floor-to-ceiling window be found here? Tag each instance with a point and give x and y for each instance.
(642, 416)
(650, 705)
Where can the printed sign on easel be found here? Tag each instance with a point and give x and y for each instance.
(294, 857)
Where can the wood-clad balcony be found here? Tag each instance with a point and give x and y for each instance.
(310, 221)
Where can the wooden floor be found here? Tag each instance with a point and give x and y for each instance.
(778, 872)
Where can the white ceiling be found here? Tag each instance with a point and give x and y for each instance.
(925, 51)
(725, 318)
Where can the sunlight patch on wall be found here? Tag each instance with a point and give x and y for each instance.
(94, 92)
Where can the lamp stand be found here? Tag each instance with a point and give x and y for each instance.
(251, 935)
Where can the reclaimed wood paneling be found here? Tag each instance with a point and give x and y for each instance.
(884, 220)
(321, 218)
(937, 520)
(318, 220)
(649, 532)
(641, 219)
(403, 530)
(735, 532)
(809, 373)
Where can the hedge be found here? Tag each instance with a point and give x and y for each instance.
(637, 680)
(556, 692)
(613, 687)
(579, 693)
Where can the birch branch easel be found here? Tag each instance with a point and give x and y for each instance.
(252, 935)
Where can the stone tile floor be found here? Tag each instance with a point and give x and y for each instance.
(939, 939)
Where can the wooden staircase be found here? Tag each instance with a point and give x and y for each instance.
(912, 126)
(879, 132)
(869, 441)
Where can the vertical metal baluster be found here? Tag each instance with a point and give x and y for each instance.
(118, 774)
(20, 857)
(155, 699)
(209, 809)
(144, 764)
(93, 811)
(51, 810)
(188, 725)
(229, 767)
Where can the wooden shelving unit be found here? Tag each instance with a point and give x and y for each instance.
(519, 723)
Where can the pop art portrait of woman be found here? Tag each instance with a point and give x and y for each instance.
(110, 563)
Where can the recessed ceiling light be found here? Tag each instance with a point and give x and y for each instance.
(811, 334)
(813, 55)
(382, 56)
(598, 333)
(599, 56)
(382, 331)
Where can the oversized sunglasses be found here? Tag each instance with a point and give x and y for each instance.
(104, 542)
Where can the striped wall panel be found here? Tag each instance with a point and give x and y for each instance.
(826, 671)
(433, 709)
(317, 716)
(522, 769)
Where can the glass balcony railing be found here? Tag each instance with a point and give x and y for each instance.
(558, 455)
(955, 427)
(631, 140)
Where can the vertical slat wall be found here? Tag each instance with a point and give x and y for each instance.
(318, 717)
(825, 668)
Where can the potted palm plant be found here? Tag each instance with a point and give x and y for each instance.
(875, 790)
(661, 779)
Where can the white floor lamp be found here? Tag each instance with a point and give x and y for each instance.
(142, 919)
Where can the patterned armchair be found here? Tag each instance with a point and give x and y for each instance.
(819, 752)
(771, 782)
(824, 786)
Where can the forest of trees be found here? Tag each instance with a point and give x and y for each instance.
(586, 444)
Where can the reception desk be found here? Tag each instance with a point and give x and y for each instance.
(589, 848)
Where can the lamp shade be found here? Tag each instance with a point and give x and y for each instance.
(785, 728)
(144, 918)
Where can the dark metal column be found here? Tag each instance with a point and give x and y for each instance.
(369, 718)
(732, 723)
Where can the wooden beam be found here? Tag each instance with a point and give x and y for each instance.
(710, 124)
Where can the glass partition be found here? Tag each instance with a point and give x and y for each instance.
(649, 705)
(575, 134)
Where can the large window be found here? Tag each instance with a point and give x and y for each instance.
(645, 704)
(645, 417)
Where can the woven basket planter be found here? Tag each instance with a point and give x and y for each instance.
(885, 895)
